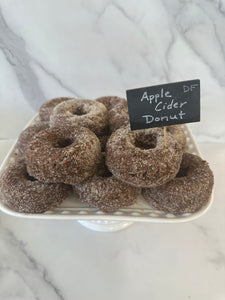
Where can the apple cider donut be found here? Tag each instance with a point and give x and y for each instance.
(80, 113)
(47, 107)
(117, 111)
(186, 193)
(25, 194)
(27, 134)
(140, 158)
(178, 133)
(105, 191)
(67, 155)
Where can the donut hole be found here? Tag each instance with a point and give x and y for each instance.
(79, 111)
(145, 141)
(62, 142)
(183, 172)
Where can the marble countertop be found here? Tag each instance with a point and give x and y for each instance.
(87, 49)
(43, 259)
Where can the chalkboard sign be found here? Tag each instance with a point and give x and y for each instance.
(165, 104)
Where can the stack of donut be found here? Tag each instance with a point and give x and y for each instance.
(87, 147)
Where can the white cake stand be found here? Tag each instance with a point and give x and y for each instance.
(94, 219)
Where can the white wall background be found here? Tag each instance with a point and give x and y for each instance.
(92, 48)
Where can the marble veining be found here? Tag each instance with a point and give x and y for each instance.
(218, 260)
(90, 48)
(14, 49)
(23, 271)
(61, 260)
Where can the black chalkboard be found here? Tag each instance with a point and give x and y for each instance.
(165, 104)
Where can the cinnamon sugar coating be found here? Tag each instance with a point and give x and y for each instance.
(106, 192)
(47, 107)
(67, 155)
(80, 113)
(140, 158)
(178, 133)
(186, 193)
(24, 194)
(117, 111)
(27, 134)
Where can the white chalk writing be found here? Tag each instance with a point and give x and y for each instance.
(154, 98)
(150, 118)
(189, 88)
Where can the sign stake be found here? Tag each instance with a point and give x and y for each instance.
(165, 140)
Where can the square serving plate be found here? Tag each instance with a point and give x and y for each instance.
(73, 209)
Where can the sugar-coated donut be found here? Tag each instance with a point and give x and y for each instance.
(106, 192)
(140, 158)
(178, 133)
(67, 155)
(27, 134)
(117, 111)
(47, 107)
(80, 113)
(25, 194)
(186, 193)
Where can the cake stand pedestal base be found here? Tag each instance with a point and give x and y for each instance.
(105, 225)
